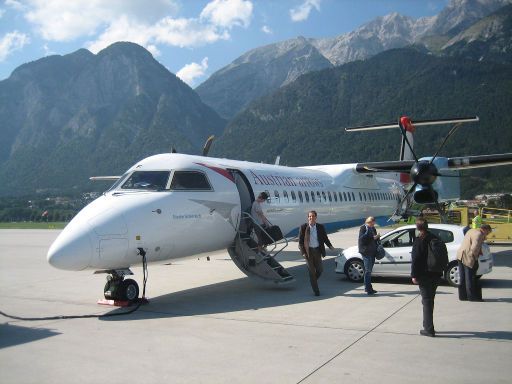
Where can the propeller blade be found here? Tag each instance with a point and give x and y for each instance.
(407, 194)
(207, 145)
(452, 131)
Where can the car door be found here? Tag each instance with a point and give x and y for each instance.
(398, 247)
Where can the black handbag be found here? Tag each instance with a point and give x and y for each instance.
(380, 252)
(274, 232)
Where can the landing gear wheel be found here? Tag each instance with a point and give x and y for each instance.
(129, 290)
(112, 289)
(354, 270)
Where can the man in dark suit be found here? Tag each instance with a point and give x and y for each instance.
(312, 238)
(367, 244)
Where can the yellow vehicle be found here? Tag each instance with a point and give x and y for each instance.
(500, 221)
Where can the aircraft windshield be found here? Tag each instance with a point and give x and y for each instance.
(148, 180)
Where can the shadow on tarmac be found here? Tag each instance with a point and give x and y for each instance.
(11, 335)
(248, 294)
(489, 335)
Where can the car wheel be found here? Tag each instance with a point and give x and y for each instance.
(452, 275)
(354, 270)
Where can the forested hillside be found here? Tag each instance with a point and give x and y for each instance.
(304, 122)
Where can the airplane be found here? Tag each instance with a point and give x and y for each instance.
(174, 205)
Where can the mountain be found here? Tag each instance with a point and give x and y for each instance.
(488, 39)
(303, 122)
(265, 69)
(259, 72)
(66, 118)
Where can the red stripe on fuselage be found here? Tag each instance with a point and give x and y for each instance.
(220, 171)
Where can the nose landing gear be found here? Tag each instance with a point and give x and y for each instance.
(117, 288)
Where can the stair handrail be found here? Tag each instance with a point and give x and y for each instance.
(285, 242)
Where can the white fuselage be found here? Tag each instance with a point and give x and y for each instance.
(195, 206)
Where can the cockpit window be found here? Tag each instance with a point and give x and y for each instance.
(118, 182)
(149, 180)
(190, 180)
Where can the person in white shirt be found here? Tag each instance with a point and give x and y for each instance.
(312, 237)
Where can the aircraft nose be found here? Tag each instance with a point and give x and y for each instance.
(71, 251)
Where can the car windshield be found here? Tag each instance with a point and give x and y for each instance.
(148, 180)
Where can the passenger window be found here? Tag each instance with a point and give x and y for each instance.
(276, 194)
(443, 235)
(285, 197)
(345, 196)
(294, 198)
(353, 196)
(341, 196)
(269, 200)
(306, 195)
(318, 196)
(324, 198)
(312, 196)
(329, 195)
(335, 196)
(300, 196)
(147, 180)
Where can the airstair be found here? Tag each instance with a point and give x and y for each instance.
(263, 266)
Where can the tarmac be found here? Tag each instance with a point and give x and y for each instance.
(206, 322)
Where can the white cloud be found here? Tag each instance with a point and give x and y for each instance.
(228, 13)
(145, 23)
(190, 72)
(12, 41)
(266, 29)
(302, 12)
(187, 32)
(14, 4)
(65, 20)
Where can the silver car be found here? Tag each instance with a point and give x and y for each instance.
(398, 246)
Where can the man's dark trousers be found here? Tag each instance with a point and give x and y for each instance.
(468, 288)
(314, 260)
(428, 286)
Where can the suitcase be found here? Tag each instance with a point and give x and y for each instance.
(275, 234)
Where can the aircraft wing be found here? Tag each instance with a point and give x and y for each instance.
(453, 163)
(468, 162)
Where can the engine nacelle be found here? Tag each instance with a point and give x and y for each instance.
(447, 188)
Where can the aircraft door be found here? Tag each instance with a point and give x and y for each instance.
(246, 195)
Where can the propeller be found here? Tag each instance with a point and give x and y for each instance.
(423, 173)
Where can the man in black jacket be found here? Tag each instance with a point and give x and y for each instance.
(367, 244)
(428, 281)
(312, 238)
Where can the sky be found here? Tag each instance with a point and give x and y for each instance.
(191, 38)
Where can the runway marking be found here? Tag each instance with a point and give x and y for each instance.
(358, 339)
